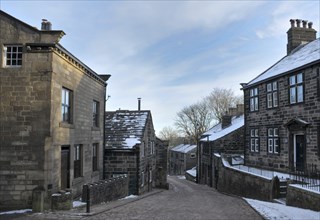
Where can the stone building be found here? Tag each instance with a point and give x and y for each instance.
(226, 137)
(161, 163)
(182, 157)
(282, 107)
(130, 148)
(51, 116)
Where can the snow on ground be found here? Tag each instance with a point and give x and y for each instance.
(16, 212)
(78, 204)
(277, 211)
(130, 197)
(181, 177)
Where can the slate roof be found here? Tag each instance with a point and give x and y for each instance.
(125, 129)
(217, 131)
(184, 148)
(299, 58)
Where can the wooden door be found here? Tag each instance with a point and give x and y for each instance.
(65, 167)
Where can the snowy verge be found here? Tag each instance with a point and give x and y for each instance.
(129, 197)
(277, 211)
(16, 212)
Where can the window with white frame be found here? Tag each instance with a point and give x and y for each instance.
(272, 95)
(254, 140)
(66, 97)
(273, 140)
(296, 88)
(12, 55)
(77, 163)
(150, 176)
(254, 100)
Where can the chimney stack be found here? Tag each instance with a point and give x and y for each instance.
(298, 35)
(139, 104)
(46, 25)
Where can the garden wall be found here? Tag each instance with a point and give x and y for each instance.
(303, 198)
(246, 184)
(106, 190)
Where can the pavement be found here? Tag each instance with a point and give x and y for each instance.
(184, 200)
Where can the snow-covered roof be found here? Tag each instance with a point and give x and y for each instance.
(125, 129)
(184, 148)
(192, 171)
(300, 57)
(218, 132)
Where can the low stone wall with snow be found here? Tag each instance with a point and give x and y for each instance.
(61, 200)
(303, 198)
(246, 184)
(106, 190)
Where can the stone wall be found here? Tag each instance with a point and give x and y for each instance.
(303, 198)
(120, 162)
(246, 185)
(106, 190)
(161, 164)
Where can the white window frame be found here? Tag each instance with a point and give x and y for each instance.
(273, 140)
(66, 105)
(254, 99)
(142, 178)
(254, 140)
(296, 88)
(272, 94)
(17, 54)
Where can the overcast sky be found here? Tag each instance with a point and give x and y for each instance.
(170, 53)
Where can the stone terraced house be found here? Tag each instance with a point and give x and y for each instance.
(130, 149)
(182, 158)
(51, 116)
(226, 137)
(282, 107)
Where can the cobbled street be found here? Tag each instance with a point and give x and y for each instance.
(184, 200)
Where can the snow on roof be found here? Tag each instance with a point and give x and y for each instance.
(300, 57)
(184, 148)
(192, 171)
(124, 129)
(218, 132)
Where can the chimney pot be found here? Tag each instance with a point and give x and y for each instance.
(292, 22)
(304, 23)
(139, 104)
(46, 25)
(310, 25)
(298, 22)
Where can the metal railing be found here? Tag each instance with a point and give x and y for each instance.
(309, 178)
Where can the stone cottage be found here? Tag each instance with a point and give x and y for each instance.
(130, 148)
(226, 137)
(282, 107)
(51, 116)
(182, 157)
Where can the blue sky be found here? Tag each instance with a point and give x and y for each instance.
(170, 53)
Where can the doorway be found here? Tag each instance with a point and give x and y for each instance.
(299, 152)
(65, 167)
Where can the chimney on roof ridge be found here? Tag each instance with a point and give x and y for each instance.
(298, 34)
(139, 104)
(46, 25)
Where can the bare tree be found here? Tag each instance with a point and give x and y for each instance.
(170, 134)
(220, 100)
(194, 120)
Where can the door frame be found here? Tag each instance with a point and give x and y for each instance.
(294, 146)
(65, 148)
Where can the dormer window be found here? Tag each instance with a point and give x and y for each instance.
(12, 55)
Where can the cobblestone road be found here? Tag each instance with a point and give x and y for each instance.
(185, 200)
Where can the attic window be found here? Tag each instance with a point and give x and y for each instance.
(13, 56)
